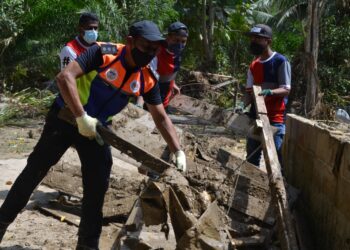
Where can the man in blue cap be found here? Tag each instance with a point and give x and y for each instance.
(168, 62)
(272, 71)
(122, 71)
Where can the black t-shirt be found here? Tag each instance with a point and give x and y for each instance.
(92, 59)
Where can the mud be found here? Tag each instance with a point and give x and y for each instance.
(206, 180)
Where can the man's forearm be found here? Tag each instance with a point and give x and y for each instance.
(165, 126)
(280, 91)
(168, 132)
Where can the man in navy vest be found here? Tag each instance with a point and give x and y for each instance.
(121, 72)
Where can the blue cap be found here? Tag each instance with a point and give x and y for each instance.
(178, 28)
(147, 29)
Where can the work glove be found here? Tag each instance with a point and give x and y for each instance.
(180, 160)
(266, 92)
(87, 125)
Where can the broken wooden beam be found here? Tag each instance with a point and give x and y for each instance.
(225, 83)
(147, 159)
(188, 120)
(276, 182)
(60, 215)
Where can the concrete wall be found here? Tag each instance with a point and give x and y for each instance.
(317, 161)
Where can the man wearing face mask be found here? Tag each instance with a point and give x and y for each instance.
(122, 71)
(88, 33)
(272, 72)
(168, 62)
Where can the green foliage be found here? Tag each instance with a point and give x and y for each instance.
(113, 23)
(159, 11)
(45, 27)
(334, 62)
(34, 31)
(28, 103)
(10, 23)
(289, 41)
(37, 30)
(11, 12)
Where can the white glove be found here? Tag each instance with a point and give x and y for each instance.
(180, 160)
(87, 125)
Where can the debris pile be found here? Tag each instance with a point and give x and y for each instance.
(221, 201)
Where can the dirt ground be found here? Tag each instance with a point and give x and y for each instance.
(35, 230)
(32, 229)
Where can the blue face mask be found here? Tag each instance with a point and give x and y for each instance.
(90, 36)
(176, 48)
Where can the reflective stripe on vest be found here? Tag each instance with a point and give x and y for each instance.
(75, 45)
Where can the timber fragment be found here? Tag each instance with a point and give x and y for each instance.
(277, 185)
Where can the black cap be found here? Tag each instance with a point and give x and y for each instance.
(178, 28)
(261, 30)
(147, 29)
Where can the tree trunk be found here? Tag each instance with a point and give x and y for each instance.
(315, 8)
(208, 30)
(211, 31)
(204, 28)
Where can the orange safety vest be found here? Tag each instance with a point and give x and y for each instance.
(113, 73)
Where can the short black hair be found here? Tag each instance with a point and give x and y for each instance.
(87, 17)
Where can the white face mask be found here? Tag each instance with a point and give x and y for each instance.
(90, 36)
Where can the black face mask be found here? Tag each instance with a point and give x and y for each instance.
(256, 49)
(140, 58)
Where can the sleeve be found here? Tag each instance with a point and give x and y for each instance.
(67, 55)
(153, 96)
(91, 59)
(284, 75)
(250, 81)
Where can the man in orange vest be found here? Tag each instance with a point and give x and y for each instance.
(120, 72)
(88, 33)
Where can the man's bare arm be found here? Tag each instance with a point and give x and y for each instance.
(165, 126)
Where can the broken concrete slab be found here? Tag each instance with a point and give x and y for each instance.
(124, 187)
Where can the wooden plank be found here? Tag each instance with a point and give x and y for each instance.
(277, 186)
(188, 120)
(147, 159)
(259, 209)
(134, 221)
(247, 242)
(60, 215)
(248, 170)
